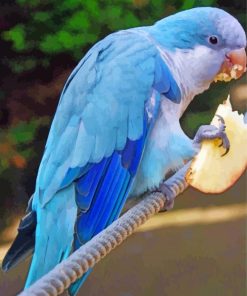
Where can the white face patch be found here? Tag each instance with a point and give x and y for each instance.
(193, 69)
(199, 65)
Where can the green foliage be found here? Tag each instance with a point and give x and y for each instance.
(17, 35)
(16, 143)
(53, 27)
(187, 4)
(24, 131)
(20, 65)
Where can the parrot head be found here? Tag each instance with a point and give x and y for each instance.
(205, 44)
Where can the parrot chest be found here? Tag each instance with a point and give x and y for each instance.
(167, 148)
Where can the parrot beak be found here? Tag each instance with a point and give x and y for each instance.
(234, 65)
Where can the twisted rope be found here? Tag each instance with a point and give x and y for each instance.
(78, 263)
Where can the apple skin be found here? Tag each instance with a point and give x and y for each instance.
(210, 172)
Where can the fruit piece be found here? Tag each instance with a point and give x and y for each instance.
(210, 172)
(223, 76)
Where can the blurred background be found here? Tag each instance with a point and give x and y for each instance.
(197, 249)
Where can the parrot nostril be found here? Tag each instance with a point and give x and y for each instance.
(228, 58)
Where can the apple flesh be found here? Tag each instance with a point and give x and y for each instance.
(210, 172)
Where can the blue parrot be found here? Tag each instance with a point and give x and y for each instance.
(116, 132)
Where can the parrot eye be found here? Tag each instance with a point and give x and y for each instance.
(213, 40)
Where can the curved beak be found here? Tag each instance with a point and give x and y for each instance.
(235, 63)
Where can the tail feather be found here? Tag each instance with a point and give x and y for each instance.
(54, 233)
(23, 244)
(75, 287)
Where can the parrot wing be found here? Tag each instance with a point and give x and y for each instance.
(95, 143)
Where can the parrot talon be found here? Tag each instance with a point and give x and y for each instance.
(221, 144)
(221, 119)
(213, 132)
(170, 197)
(173, 186)
(227, 150)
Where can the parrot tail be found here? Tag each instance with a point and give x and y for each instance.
(23, 244)
(54, 238)
(74, 288)
(54, 233)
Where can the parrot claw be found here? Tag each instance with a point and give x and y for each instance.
(227, 150)
(170, 197)
(173, 186)
(221, 119)
(213, 132)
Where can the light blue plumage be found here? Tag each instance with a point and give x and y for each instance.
(116, 131)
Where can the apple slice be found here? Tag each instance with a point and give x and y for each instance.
(210, 172)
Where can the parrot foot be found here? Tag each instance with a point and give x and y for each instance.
(170, 197)
(174, 186)
(213, 132)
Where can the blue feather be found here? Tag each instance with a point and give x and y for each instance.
(107, 195)
(128, 153)
(85, 223)
(121, 199)
(110, 198)
(74, 288)
(96, 142)
(160, 84)
(71, 175)
(168, 87)
(87, 185)
(139, 144)
(84, 184)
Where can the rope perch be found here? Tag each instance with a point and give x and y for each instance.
(68, 271)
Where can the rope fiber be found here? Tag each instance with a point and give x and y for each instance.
(68, 271)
